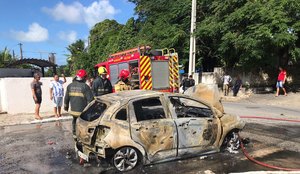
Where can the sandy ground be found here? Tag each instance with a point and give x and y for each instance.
(292, 100)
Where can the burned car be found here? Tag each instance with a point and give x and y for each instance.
(141, 127)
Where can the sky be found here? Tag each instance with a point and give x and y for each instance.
(49, 26)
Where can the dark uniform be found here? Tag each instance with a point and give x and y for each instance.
(186, 83)
(101, 86)
(78, 94)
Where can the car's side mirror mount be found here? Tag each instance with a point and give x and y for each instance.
(217, 112)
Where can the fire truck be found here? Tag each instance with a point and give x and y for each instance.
(150, 69)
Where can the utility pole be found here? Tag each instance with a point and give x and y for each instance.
(192, 56)
(52, 57)
(21, 52)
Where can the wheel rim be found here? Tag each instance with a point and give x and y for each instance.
(125, 159)
(233, 143)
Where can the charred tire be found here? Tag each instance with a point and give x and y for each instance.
(126, 159)
(231, 142)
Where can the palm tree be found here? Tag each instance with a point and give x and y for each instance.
(5, 57)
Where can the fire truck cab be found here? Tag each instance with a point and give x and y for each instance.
(149, 69)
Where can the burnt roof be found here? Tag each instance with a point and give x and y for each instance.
(127, 95)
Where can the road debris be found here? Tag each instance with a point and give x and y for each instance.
(51, 142)
(203, 157)
(68, 156)
(87, 165)
(208, 172)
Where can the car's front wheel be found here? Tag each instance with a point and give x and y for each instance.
(231, 143)
(125, 159)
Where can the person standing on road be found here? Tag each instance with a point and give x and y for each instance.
(280, 81)
(184, 83)
(187, 82)
(101, 85)
(226, 83)
(37, 94)
(57, 93)
(237, 85)
(192, 81)
(78, 94)
(123, 83)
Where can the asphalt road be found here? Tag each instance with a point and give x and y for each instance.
(246, 108)
(46, 148)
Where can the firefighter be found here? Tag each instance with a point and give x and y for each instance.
(123, 83)
(101, 85)
(78, 94)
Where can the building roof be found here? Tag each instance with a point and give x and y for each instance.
(38, 62)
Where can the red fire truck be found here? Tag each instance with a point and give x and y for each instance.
(149, 69)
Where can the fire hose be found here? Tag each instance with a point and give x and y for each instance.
(259, 162)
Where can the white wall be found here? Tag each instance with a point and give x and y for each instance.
(16, 96)
(2, 90)
(208, 78)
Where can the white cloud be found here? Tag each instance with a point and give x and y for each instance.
(35, 33)
(78, 13)
(70, 36)
(69, 13)
(98, 11)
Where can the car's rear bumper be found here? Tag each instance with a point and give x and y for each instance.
(79, 152)
(84, 151)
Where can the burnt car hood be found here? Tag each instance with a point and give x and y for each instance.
(208, 93)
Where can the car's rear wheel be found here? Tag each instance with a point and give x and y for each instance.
(125, 159)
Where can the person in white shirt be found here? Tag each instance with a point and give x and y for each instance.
(226, 83)
(57, 93)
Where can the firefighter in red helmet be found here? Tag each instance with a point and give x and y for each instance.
(123, 83)
(78, 95)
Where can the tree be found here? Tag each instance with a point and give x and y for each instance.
(78, 58)
(246, 34)
(5, 57)
(164, 24)
(104, 40)
(249, 33)
(127, 35)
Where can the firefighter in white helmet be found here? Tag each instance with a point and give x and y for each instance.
(102, 84)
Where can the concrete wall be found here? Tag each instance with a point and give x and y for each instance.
(208, 78)
(16, 96)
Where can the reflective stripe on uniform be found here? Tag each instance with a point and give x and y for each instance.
(103, 90)
(76, 94)
(74, 113)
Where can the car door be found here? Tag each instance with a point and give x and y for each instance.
(153, 128)
(89, 120)
(197, 127)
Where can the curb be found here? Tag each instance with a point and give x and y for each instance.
(46, 120)
(30, 121)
